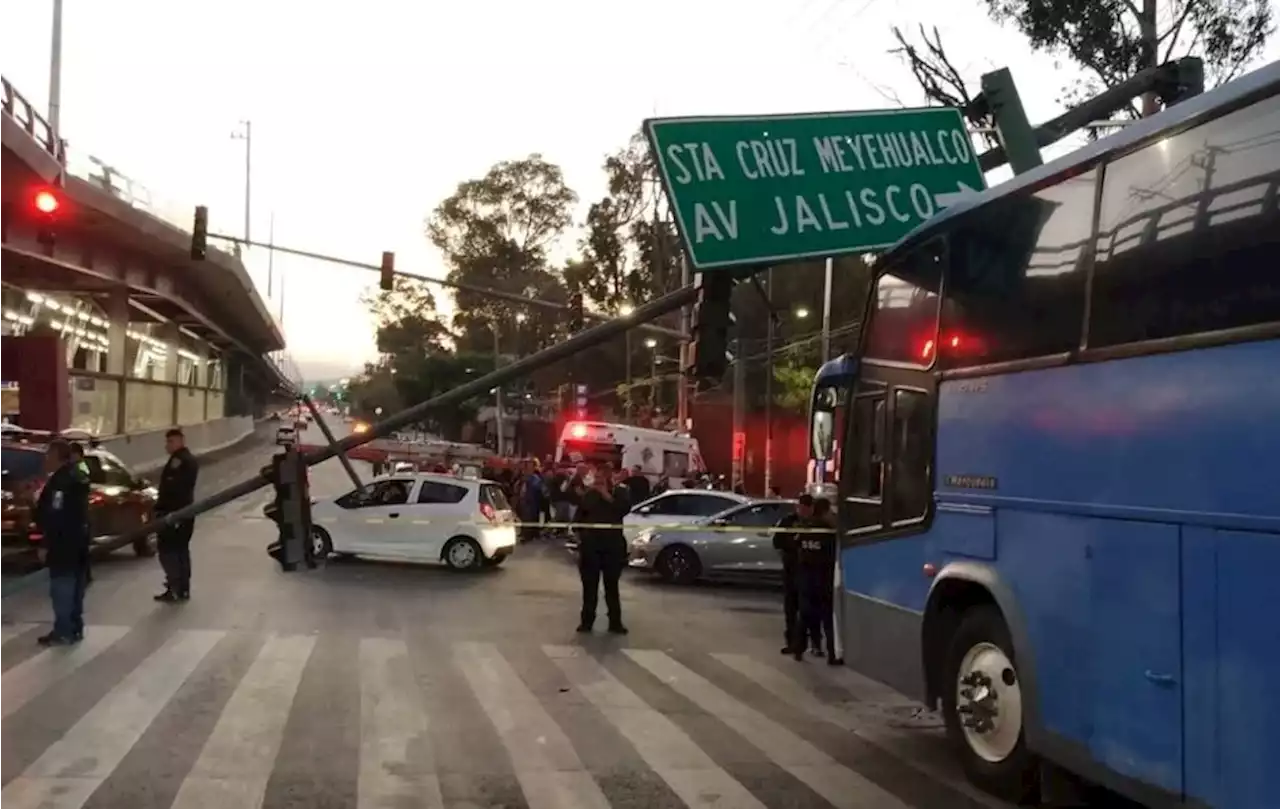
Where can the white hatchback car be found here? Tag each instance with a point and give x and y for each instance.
(464, 523)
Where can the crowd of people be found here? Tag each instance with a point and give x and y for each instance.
(62, 516)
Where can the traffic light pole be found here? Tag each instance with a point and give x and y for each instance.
(328, 436)
(520, 368)
(478, 290)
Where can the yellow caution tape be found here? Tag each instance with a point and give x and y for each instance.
(578, 526)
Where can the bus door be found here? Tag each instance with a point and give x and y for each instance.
(886, 481)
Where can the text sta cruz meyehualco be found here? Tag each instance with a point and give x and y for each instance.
(773, 158)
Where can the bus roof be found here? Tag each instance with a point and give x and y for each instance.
(841, 368)
(1261, 82)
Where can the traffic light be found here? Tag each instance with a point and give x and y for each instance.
(1014, 130)
(712, 318)
(291, 508)
(1180, 80)
(388, 272)
(576, 315)
(200, 234)
(46, 205)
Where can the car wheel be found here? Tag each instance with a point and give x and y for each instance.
(321, 543)
(146, 546)
(462, 553)
(982, 706)
(679, 565)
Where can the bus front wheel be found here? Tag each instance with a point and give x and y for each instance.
(983, 709)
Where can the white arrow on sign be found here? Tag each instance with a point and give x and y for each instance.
(950, 198)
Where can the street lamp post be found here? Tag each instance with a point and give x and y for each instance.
(247, 136)
(55, 75)
(652, 345)
(625, 310)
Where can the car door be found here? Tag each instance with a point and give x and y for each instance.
(367, 520)
(441, 511)
(742, 540)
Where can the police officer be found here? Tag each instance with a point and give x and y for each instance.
(62, 514)
(815, 575)
(787, 543)
(82, 472)
(602, 552)
(177, 490)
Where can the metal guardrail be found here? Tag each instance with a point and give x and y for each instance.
(18, 108)
(91, 168)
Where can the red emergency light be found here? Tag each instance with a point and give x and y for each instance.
(578, 431)
(47, 202)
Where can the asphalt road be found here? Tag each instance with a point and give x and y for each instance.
(365, 684)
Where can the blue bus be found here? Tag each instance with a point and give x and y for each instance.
(1059, 472)
(826, 422)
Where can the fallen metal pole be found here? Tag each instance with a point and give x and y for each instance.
(328, 436)
(549, 356)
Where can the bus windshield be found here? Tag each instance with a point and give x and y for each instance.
(826, 398)
(826, 418)
(904, 315)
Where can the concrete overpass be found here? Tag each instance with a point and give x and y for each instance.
(150, 338)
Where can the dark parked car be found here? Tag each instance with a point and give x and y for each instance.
(119, 499)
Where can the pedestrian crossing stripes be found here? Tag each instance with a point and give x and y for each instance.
(153, 716)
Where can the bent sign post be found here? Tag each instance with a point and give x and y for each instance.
(775, 188)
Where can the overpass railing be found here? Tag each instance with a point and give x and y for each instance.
(18, 108)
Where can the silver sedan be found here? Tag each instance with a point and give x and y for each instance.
(737, 543)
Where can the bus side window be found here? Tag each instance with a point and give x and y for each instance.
(912, 451)
(865, 454)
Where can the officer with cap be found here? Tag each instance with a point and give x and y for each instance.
(62, 515)
(82, 472)
(177, 491)
(787, 543)
(816, 570)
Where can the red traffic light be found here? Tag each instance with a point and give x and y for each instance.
(47, 202)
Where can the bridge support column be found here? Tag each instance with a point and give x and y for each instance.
(170, 335)
(120, 353)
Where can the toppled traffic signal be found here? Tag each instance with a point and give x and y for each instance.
(712, 319)
(388, 280)
(200, 234)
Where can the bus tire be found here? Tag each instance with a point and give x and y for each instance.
(679, 564)
(982, 706)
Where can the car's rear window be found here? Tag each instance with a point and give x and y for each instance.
(20, 466)
(494, 496)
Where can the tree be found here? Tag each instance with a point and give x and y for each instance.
(630, 250)
(1114, 40)
(406, 319)
(426, 376)
(496, 232)
(1110, 41)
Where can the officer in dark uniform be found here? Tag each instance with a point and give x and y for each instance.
(602, 552)
(82, 472)
(787, 543)
(177, 490)
(62, 515)
(815, 575)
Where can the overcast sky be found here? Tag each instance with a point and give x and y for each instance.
(365, 116)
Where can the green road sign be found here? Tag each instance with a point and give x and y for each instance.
(774, 188)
